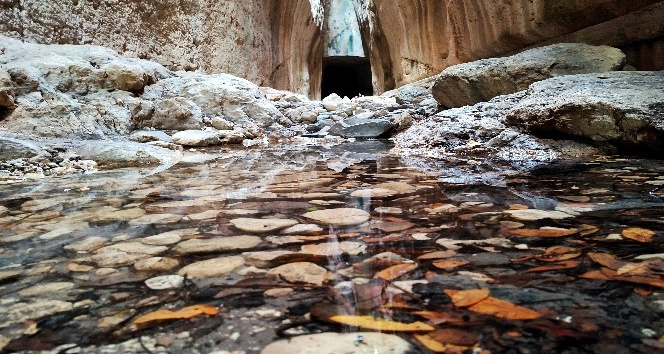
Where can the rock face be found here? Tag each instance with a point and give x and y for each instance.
(233, 37)
(482, 80)
(68, 91)
(626, 108)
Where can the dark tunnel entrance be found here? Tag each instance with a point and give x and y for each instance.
(346, 76)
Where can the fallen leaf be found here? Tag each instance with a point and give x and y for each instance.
(438, 255)
(454, 336)
(643, 291)
(637, 279)
(438, 347)
(557, 266)
(585, 230)
(184, 313)
(634, 269)
(608, 260)
(381, 324)
(638, 234)
(504, 309)
(449, 264)
(396, 271)
(455, 319)
(543, 232)
(465, 298)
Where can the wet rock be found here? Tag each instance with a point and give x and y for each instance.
(116, 259)
(90, 244)
(619, 107)
(149, 219)
(383, 190)
(9, 275)
(133, 247)
(34, 310)
(212, 268)
(207, 137)
(6, 93)
(339, 217)
(479, 81)
(206, 215)
(109, 154)
(262, 225)
(302, 229)
(362, 128)
(267, 259)
(156, 264)
(371, 265)
(334, 343)
(167, 238)
(301, 272)
(221, 124)
(46, 288)
(165, 282)
(334, 249)
(536, 214)
(217, 244)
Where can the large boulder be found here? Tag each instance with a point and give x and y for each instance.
(479, 81)
(626, 108)
(220, 95)
(6, 93)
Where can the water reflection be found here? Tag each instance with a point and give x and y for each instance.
(269, 239)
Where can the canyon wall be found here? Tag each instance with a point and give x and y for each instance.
(423, 37)
(279, 43)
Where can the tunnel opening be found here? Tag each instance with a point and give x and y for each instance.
(346, 76)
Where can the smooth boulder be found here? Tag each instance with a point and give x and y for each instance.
(479, 81)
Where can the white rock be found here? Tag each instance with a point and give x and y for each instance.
(536, 214)
(217, 244)
(165, 282)
(212, 268)
(156, 264)
(335, 343)
(262, 225)
(339, 217)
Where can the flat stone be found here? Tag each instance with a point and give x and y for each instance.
(165, 282)
(197, 138)
(212, 268)
(266, 259)
(46, 288)
(300, 272)
(217, 244)
(10, 274)
(116, 259)
(262, 225)
(168, 238)
(339, 217)
(388, 210)
(23, 311)
(335, 343)
(156, 264)
(278, 292)
(206, 215)
(303, 229)
(149, 219)
(536, 214)
(133, 247)
(362, 128)
(335, 248)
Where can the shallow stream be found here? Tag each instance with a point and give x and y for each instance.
(567, 259)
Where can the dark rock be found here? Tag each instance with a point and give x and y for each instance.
(362, 128)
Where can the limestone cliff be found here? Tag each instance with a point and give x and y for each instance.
(280, 42)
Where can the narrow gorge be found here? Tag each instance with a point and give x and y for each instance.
(331, 176)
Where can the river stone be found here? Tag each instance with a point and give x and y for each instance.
(479, 81)
(362, 128)
(335, 343)
(267, 259)
(133, 247)
(165, 282)
(302, 229)
(217, 244)
(145, 136)
(112, 155)
(113, 259)
(149, 219)
(212, 268)
(23, 311)
(332, 249)
(167, 238)
(301, 272)
(260, 226)
(90, 244)
(535, 214)
(46, 288)
(156, 264)
(197, 138)
(339, 217)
